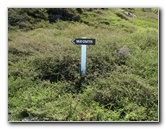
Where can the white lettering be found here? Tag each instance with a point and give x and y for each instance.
(84, 41)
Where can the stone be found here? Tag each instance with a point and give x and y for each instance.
(130, 14)
(122, 52)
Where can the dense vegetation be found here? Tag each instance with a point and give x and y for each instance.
(121, 82)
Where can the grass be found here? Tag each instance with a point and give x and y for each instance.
(44, 66)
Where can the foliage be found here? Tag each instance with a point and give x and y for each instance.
(44, 83)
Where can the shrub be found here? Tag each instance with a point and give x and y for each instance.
(54, 69)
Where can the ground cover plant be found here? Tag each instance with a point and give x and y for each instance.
(121, 82)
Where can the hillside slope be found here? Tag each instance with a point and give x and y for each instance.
(121, 82)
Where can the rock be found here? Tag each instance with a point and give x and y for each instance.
(121, 55)
(130, 14)
(122, 52)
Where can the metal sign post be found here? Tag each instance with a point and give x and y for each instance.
(83, 60)
(83, 42)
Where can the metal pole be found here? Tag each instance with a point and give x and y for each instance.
(83, 59)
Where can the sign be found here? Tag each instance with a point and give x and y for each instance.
(80, 41)
(83, 42)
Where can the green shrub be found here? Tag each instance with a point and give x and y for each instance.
(55, 69)
(121, 82)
